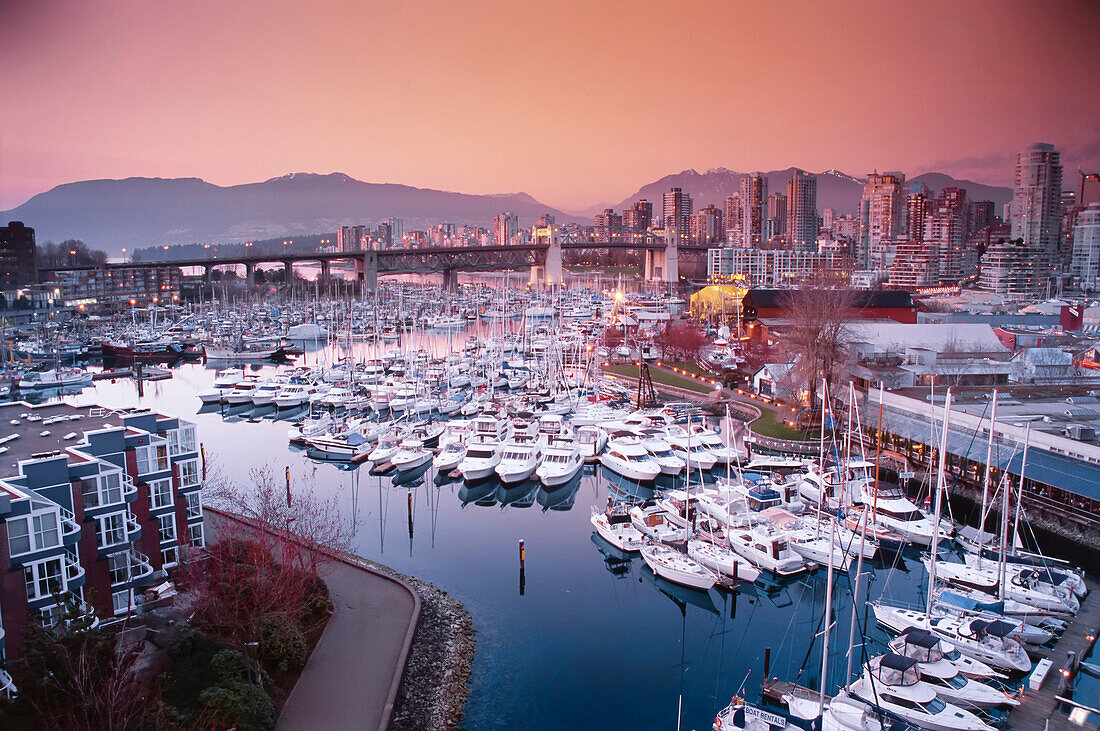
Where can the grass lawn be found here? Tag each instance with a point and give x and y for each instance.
(770, 425)
(659, 377)
(686, 366)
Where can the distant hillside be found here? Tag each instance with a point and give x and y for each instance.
(835, 189)
(139, 212)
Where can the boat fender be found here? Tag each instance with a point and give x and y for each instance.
(717, 722)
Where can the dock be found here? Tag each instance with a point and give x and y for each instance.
(1038, 706)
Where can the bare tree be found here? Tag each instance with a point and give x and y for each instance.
(815, 341)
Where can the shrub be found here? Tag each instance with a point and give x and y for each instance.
(282, 643)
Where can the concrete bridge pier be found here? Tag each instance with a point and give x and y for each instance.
(288, 271)
(206, 269)
(663, 265)
(325, 271)
(549, 273)
(250, 275)
(366, 270)
(450, 280)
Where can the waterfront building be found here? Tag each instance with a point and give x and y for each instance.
(18, 256)
(772, 267)
(1036, 207)
(1085, 264)
(916, 266)
(505, 226)
(801, 218)
(115, 289)
(1010, 267)
(754, 197)
(881, 213)
(95, 506)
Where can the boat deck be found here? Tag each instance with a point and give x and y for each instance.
(1040, 706)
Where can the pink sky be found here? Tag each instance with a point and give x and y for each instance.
(573, 102)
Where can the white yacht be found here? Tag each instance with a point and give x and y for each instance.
(388, 445)
(615, 527)
(265, 393)
(628, 458)
(695, 454)
(481, 460)
(927, 647)
(561, 461)
(450, 456)
(410, 454)
(518, 460)
(716, 445)
(721, 559)
(661, 451)
(291, 395)
(1022, 584)
(339, 445)
(767, 547)
(947, 680)
(592, 440)
(893, 683)
(654, 523)
(671, 565)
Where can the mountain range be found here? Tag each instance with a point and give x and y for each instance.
(139, 212)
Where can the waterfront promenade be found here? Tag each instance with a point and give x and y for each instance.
(353, 674)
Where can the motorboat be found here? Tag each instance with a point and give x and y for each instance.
(713, 442)
(291, 395)
(342, 445)
(950, 683)
(591, 439)
(768, 547)
(55, 378)
(891, 508)
(721, 559)
(927, 647)
(614, 526)
(893, 683)
(662, 453)
(561, 461)
(628, 458)
(388, 445)
(655, 523)
(671, 565)
(410, 454)
(449, 457)
(518, 460)
(693, 452)
(480, 461)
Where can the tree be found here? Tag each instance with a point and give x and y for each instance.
(814, 342)
(680, 339)
(612, 338)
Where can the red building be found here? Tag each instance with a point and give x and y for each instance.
(868, 304)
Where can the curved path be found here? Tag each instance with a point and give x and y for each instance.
(352, 677)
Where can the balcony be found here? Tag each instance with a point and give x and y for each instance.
(141, 568)
(129, 490)
(7, 685)
(70, 529)
(133, 528)
(82, 616)
(74, 572)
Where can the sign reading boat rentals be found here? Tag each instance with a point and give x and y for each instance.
(765, 716)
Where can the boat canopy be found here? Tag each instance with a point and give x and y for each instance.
(972, 605)
(897, 670)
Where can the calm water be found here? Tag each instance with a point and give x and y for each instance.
(593, 640)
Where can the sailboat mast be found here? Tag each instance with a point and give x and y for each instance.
(939, 497)
(1020, 492)
(988, 478)
(828, 621)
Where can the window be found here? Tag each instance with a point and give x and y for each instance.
(160, 494)
(120, 600)
(169, 557)
(153, 458)
(189, 473)
(194, 505)
(194, 534)
(112, 530)
(103, 490)
(182, 440)
(118, 564)
(166, 527)
(44, 578)
(33, 533)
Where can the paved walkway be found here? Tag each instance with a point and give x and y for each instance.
(354, 672)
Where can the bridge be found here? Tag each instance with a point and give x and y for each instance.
(543, 256)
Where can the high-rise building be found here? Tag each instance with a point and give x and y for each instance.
(754, 196)
(396, 228)
(351, 238)
(827, 218)
(1036, 205)
(802, 211)
(1088, 188)
(639, 216)
(945, 232)
(505, 226)
(1008, 268)
(777, 216)
(18, 265)
(1085, 264)
(546, 219)
(677, 213)
(980, 215)
(917, 206)
(731, 212)
(881, 213)
(608, 225)
(706, 226)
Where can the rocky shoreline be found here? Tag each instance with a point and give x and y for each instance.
(436, 685)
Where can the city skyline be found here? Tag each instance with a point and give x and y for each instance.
(492, 98)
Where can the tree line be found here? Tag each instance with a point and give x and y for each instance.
(70, 252)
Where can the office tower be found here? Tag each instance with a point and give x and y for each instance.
(18, 265)
(1088, 188)
(546, 219)
(777, 215)
(706, 226)
(802, 211)
(754, 196)
(677, 213)
(1036, 205)
(881, 213)
(1085, 264)
(505, 226)
(731, 212)
(945, 232)
(608, 225)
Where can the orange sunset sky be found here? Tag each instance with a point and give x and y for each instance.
(576, 103)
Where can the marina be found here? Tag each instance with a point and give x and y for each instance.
(447, 446)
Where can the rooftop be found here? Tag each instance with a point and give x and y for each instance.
(41, 430)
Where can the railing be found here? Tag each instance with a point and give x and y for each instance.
(7, 685)
(133, 528)
(69, 526)
(141, 563)
(129, 490)
(73, 569)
